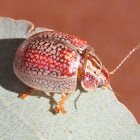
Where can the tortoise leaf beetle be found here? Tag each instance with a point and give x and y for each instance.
(52, 61)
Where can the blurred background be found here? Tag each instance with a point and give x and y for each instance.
(111, 27)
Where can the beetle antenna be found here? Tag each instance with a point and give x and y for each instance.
(130, 53)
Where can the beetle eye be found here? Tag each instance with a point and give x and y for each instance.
(100, 83)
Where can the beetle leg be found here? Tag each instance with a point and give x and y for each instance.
(102, 88)
(25, 94)
(61, 102)
(80, 71)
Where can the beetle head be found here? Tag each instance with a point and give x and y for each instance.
(96, 75)
(91, 80)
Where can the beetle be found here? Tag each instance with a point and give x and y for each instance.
(52, 61)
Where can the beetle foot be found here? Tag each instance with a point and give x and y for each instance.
(60, 108)
(61, 102)
(25, 95)
(102, 88)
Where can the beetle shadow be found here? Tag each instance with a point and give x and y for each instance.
(50, 96)
(8, 79)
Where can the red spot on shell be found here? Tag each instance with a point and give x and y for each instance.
(65, 64)
(78, 42)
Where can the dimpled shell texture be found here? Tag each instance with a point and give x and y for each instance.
(47, 61)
